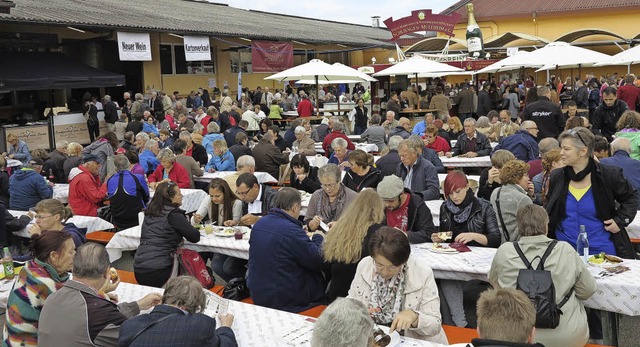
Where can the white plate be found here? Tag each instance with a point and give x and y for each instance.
(436, 250)
(220, 231)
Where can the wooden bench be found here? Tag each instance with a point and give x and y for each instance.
(102, 237)
(465, 335)
(127, 276)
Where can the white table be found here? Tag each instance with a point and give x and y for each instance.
(91, 223)
(61, 192)
(484, 161)
(367, 147)
(619, 293)
(318, 160)
(129, 240)
(290, 113)
(257, 326)
(493, 144)
(263, 177)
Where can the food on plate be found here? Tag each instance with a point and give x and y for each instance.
(380, 339)
(445, 235)
(114, 274)
(225, 231)
(442, 248)
(598, 259)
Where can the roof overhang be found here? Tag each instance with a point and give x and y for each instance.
(435, 44)
(503, 40)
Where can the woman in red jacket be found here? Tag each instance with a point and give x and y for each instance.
(169, 170)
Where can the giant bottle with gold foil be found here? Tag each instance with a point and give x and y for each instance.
(474, 35)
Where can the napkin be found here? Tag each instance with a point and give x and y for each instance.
(460, 247)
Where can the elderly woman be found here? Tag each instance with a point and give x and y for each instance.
(483, 125)
(433, 141)
(550, 161)
(587, 193)
(327, 204)
(74, 158)
(490, 177)
(128, 194)
(471, 221)
(375, 133)
(18, 149)
(361, 173)
(53, 259)
(348, 241)
(344, 323)
(340, 155)
(571, 278)
(275, 110)
(516, 191)
(399, 290)
(222, 159)
(182, 309)
(169, 170)
(629, 128)
(303, 176)
(52, 215)
(164, 229)
(303, 143)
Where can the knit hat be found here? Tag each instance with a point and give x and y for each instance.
(90, 157)
(36, 162)
(390, 187)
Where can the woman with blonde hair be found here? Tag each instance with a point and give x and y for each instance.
(348, 241)
(52, 215)
(550, 161)
(455, 127)
(73, 158)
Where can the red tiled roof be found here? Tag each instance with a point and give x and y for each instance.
(510, 8)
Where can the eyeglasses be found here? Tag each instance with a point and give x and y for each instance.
(239, 193)
(380, 267)
(39, 216)
(329, 185)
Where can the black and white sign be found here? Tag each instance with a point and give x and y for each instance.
(134, 46)
(197, 48)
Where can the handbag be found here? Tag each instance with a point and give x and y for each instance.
(507, 237)
(236, 289)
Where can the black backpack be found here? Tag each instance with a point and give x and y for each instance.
(538, 285)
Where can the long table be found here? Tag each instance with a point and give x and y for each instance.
(91, 223)
(484, 161)
(263, 177)
(257, 326)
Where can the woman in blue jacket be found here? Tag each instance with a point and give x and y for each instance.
(18, 150)
(222, 159)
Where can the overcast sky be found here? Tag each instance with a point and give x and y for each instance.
(349, 11)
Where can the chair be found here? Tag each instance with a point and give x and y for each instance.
(127, 276)
(459, 335)
(102, 237)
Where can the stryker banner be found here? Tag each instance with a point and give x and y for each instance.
(134, 46)
(197, 48)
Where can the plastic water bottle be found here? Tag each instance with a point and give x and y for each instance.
(582, 244)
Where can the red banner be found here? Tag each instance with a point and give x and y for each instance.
(472, 65)
(268, 56)
(422, 20)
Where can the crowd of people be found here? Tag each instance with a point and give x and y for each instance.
(550, 175)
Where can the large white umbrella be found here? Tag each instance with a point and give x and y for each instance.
(418, 65)
(563, 55)
(360, 74)
(629, 57)
(514, 62)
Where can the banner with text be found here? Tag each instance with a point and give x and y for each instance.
(134, 46)
(422, 20)
(197, 48)
(268, 56)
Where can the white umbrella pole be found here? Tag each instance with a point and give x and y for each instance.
(628, 69)
(317, 96)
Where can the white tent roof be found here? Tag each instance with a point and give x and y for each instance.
(628, 57)
(563, 55)
(517, 61)
(418, 65)
(349, 69)
(316, 68)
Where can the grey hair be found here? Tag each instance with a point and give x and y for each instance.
(245, 161)
(394, 141)
(344, 323)
(391, 112)
(91, 261)
(150, 144)
(107, 97)
(143, 136)
(416, 142)
(165, 154)
(139, 96)
(198, 127)
(121, 162)
(184, 135)
(621, 144)
(526, 124)
(213, 127)
(300, 130)
(581, 137)
(337, 125)
(470, 121)
(186, 293)
(330, 171)
(339, 142)
(543, 91)
(62, 144)
(221, 145)
(410, 144)
(375, 119)
(287, 198)
(547, 144)
(483, 122)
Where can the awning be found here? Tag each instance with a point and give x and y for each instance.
(38, 71)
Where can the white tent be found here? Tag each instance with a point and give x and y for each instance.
(360, 74)
(516, 61)
(418, 65)
(563, 55)
(629, 57)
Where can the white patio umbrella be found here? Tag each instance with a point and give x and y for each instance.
(416, 66)
(563, 55)
(360, 74)
(629, 57)
(316, 70)
(514, 62)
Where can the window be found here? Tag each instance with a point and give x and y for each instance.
(241, 59)
(173, 62)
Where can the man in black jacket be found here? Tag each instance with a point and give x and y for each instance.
(389, 162)
(406, 210)
(193, 149)
(110, 112)
(231, 134)
(471, 143)
(547, 115)
(484, 101)
(606, 116)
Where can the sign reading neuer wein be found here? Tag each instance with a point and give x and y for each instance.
(134, 46)
(197, 48)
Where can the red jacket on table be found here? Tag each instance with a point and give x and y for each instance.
(178, 174)
(305, 108)
(334, 135)
(439, 145)
(86, 193)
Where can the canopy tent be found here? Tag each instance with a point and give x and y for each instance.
(359, 74)
(38, 71)
(417, 66)
(629, 57)
(516, 61)
(558, 55)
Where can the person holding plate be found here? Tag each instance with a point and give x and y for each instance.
(399, 290)
(473, 223)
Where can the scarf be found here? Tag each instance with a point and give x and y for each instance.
(571, 175)
(328, 213)
(387, 296)
(461, 212)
